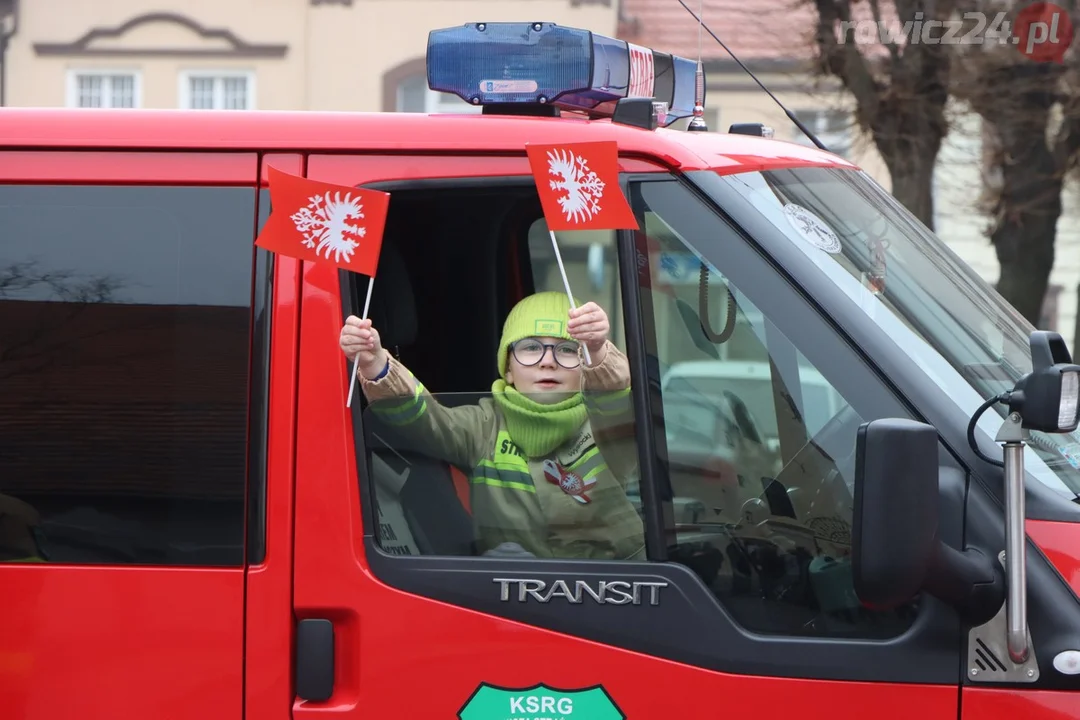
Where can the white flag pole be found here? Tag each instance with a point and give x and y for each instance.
(566, 284)
(356, 360)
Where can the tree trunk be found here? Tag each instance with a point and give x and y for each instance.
(900, 99)
(912, 175)
(1032, 177)
(909, 125)
(1024, 236)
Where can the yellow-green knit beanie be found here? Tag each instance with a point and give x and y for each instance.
(542, 314)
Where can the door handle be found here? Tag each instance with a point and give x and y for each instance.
(314, 674)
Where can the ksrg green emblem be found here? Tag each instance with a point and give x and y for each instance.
(539, 702)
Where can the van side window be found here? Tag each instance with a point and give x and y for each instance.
(758, 442)
(456, 470)
(124, 357)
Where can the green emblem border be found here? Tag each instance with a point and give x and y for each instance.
(539, 686)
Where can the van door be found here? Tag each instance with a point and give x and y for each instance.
(268, 690)
(745, 606)
(126, 283)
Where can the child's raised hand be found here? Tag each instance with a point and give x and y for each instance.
(589, 325)
(359, 337)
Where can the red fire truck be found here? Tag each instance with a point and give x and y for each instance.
(857, 467)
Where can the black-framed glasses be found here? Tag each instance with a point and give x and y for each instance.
(531, 351)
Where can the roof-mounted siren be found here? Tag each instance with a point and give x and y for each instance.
(542, 68)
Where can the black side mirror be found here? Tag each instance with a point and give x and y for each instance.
(896, 510)
(896, 550)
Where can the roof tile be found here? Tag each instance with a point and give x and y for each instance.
(760, 30)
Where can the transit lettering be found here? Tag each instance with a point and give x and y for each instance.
(602, 592)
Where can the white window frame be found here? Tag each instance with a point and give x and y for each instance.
(71, 90)
(186, 76)
(437, 102)
(440, 102)
(816, 121)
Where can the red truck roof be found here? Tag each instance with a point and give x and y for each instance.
(36, 128)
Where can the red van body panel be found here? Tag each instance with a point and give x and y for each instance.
(1061, 543)
(1000, 704)
(190, 643)
(108, 642)
(387, 134)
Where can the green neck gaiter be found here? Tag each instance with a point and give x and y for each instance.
(534, 427)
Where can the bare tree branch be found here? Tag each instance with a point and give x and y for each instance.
(1031, 115)
(32, 349)
(890, 45)
(843, 60)
(900, 88)
(903, 85)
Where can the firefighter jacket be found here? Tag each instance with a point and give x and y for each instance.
(569, 503)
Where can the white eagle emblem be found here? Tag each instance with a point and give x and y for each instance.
(330, 223)
(581, 188)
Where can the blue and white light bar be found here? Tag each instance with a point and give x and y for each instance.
(573, 69)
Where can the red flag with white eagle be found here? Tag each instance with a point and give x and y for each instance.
(579, 186)
(323, 222)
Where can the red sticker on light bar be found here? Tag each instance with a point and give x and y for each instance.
(642, 73)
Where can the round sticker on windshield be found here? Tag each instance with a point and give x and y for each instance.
(812, 228)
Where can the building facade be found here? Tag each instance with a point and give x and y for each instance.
(337, 55)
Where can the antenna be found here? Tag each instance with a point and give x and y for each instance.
(697, 123)
(701, 81)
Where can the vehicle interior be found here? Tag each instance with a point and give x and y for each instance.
(442, 318)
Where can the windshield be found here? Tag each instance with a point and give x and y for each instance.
(960, 331)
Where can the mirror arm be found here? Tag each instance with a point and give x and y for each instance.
(1013, 435)
(968, 580)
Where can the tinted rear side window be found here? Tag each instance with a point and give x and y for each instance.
(124, 360)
